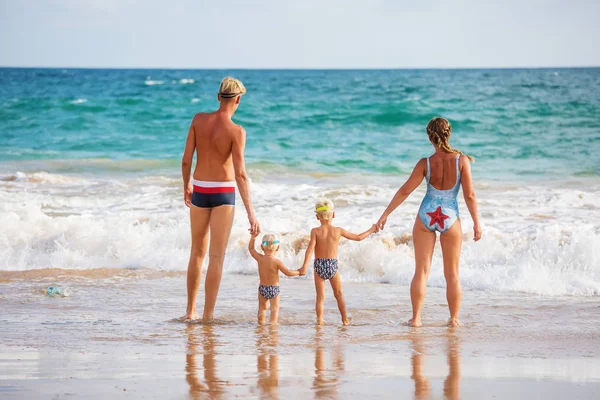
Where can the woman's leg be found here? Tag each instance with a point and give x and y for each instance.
(451, 242)
(424, 241)
(199, 221)
(221, 219)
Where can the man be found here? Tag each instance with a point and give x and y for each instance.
(219, 144)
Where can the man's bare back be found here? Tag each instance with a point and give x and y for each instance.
(216, 137)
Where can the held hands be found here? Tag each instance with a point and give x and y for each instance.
(381, 223)
(254, 225)
(302, 270)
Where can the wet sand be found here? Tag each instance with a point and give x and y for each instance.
(117, 337)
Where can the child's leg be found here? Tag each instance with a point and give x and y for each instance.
(336, 285)
(262, 309)
(424, 241)
(320, 288)
(274, 310)
(451, 242)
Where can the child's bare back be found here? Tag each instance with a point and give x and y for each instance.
(327, 239)
(268, 270)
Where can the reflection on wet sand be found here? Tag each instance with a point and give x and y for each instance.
(452, 382)
(211, 387)
(267, 361)
(422, 386)
(327, 381)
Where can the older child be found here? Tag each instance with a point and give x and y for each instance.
(268, 271)
(444, 173)
(324, 241)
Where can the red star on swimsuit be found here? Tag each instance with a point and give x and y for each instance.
(437, 217)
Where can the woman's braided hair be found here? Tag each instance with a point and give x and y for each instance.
(439, 130)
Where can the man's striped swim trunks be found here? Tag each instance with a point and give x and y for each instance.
(213, 194)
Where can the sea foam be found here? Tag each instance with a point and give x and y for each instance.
(536, 239)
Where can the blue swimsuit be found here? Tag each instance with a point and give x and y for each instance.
(439, 208)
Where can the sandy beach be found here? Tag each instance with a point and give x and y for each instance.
(113, 338)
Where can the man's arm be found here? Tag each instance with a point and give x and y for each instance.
(186, 164)
(241, 178)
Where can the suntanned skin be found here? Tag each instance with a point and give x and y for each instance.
(324, 242)
(443, 177)
(219, 144)
(268, 271)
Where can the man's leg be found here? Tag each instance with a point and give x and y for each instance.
(221, 220)
(199, 221)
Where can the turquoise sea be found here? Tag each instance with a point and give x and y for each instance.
(90, 168)
(519, 124)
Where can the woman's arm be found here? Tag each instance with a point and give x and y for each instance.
(360, 237)
(186, 164)
(309, 252)
(469, 193)
(409, 186)
(241, 178)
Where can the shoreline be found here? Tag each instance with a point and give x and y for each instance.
(117, 338)
(167, 168)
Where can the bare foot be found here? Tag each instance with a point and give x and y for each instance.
(321, 322)
(415, 322)
(191, 316)
(347, 321)
(453, 323)
(261, 322)
(274, 323)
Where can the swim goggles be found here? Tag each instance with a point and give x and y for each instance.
(266, 242)
(322, 208)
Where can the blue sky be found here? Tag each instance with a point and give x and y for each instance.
(300, 33)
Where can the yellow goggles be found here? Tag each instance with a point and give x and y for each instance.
(322, 208)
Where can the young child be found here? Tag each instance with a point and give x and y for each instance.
(268, 271)
(324, 241)
(445, 171)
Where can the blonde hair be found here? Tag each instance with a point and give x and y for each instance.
(438, 131)
(270, 238)
(325, 214)
(231, 88)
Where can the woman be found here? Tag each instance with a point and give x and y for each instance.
(444, 172)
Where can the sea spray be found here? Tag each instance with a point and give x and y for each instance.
(546, 246)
